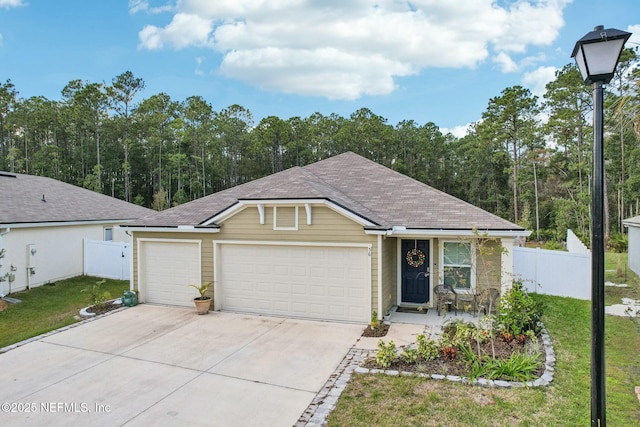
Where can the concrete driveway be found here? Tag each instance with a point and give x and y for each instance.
(152, 365)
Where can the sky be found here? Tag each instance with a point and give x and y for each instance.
(437, 61)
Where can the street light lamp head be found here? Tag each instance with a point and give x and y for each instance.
(598, 52)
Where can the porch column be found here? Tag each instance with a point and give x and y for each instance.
(506, 270)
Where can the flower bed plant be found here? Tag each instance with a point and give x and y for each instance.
(502, 347)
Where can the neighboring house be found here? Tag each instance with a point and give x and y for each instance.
(633, 225)
(43, 224)
(336, 240)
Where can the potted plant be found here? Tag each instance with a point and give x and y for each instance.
(203, 302)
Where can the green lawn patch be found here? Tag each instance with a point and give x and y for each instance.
(383, 400)
(46, 308)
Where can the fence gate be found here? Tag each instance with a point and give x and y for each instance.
(110, 260)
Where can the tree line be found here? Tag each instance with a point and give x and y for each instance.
(527, 160)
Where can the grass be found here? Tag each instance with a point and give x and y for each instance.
(383, 400)
(50, 307)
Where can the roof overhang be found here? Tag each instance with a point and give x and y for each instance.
(631, 223)
(62, 223)
(173, 229)
(472, 232)
(244, 203)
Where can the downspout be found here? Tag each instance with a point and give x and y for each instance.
(2, 234)
(380, 313)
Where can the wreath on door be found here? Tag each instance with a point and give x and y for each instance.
(415, 257)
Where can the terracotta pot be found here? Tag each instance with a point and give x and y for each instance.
(202, 305)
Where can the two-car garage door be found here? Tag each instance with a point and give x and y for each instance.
(318, 282)
(309, 281)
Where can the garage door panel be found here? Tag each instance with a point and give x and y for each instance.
(165, 270)
(304, 281)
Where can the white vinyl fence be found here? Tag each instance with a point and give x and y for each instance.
(553, 272)
(111, 260)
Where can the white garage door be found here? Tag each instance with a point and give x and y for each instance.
(165, 270)
(317, 282)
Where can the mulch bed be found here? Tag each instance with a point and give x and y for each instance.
(455, 365)
(379, 331)
(109, 306)
(3, 305)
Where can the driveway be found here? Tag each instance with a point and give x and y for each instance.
(153, 365)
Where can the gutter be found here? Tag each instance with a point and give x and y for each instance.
(404, 231)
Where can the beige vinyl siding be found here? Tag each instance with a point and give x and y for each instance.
(435, 266)
(285, 217)
(488, 265)
(327, 226)
(389, 273)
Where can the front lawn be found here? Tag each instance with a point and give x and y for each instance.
(50, 307)
(383, 400)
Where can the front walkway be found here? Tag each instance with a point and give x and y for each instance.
(405, 327)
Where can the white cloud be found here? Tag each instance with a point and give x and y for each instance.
(506, 64)
(199, 71)
(11, 3)
(457, 131)
(537, 79)
(634, 40)
(136, 6)
(344, 50)
(183, 31)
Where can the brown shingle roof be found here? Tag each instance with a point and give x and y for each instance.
(382, 196)
(36, 199)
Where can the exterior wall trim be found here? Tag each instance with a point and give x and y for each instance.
(241, 204)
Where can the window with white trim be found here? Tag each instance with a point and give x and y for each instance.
(456, 264)
(108, 234)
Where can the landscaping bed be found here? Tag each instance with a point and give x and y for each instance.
(455, 363)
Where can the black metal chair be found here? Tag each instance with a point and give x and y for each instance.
(445, 297)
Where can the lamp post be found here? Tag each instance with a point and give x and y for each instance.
(597, 54)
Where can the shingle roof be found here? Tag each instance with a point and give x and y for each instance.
(382, 196)
(36, 199)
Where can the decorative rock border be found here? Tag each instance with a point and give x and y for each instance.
(86, 314)
(325, 401)
(544, 380)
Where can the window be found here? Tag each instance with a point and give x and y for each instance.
(108, 234)
(456, 264)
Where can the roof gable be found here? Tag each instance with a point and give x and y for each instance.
(36, 199)
(381, 195)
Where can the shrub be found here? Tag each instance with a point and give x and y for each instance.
(427, 349)
(518, 312)
(386, 354)
(99, 297)
(410, 355)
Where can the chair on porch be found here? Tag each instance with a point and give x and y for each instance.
(445, 297)
(487, 300)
